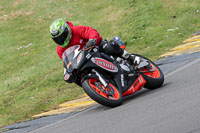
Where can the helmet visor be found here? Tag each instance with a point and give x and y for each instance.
(67, 40)
(61, 39)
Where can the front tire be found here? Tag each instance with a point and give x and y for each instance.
(109, 96)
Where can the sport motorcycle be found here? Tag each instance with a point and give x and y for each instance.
(107, 79)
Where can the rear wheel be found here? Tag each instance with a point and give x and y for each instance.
(152, 74)
(109, 96)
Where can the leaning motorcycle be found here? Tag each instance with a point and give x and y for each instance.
(106, 79)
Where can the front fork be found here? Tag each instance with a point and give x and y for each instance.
(101, 79)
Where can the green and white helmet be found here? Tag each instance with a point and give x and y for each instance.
(60, 32)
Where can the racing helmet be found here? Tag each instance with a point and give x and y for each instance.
(60, 32)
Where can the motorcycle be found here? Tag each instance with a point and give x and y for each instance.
(107, 79)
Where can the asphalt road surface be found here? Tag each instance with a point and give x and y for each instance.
(173, 108)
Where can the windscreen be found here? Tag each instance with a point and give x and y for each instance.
(69, 58)
(69, 51)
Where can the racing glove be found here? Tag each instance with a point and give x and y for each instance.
(91, 42)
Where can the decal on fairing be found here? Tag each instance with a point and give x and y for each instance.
(66, 77)
(141, 79)
(122, 79)
(69, 64)
(76, 52)
(88, 56)
(137, 85)
(79, 58)
(105, 64)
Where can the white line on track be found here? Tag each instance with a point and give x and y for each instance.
(64, 119)
(168, 75)
(183, 67)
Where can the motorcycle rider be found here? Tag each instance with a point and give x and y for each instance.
(66, 35)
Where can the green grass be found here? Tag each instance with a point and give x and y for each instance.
(31, 78)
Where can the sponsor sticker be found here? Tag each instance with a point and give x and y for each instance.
(79, 58)
(88, 56)
(66, 77)
(122, 79)
(105, 64)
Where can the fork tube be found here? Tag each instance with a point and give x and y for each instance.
(100, 78)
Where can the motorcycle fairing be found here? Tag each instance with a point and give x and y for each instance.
(137, 85)
(73, 60)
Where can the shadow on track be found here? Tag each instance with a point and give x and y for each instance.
(127, 99)
(143, 93)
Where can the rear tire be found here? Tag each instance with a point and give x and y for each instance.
(99, 96)
(153, 79)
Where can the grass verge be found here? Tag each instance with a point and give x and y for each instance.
(30, 71)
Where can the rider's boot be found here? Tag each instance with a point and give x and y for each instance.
(134, 60)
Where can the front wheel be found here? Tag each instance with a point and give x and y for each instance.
(151, 72)
(109, 96)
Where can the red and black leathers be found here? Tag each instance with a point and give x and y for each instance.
(80, 36)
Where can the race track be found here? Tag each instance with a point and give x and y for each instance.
(173, 108)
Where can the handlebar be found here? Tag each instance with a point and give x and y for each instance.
(89, 48)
